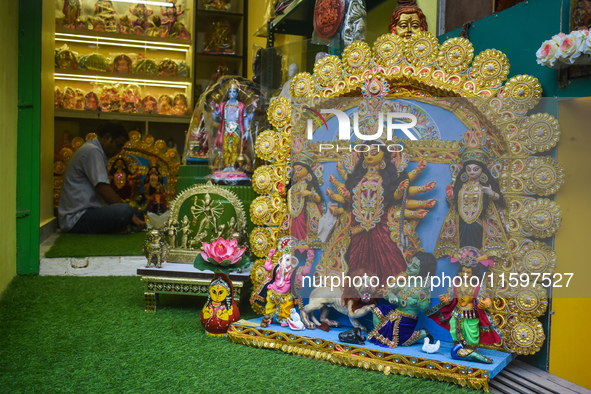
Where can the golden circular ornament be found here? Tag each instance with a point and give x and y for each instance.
(135, 136)
(77, 142)
(521, 93)
(148, 139)
(530, 300)
(259, 210)
(356, 57)
(540, 218)
(160, 146)
(535, 258)
(279, 112)
(544, 176)
(328, 71)
(524, 335)
(262, 180)
(455, 55)
(539, 132)
(490, 68)
(262, 239)
(267, 210)
(267, 144)
(59, 167)
(388, 50)
(421, 49)
(172, 153)
(302, 85)
(66, 154)
(89, 136)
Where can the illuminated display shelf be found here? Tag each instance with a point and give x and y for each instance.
(74, 74)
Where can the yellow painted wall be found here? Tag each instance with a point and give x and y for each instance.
(571, 320)
(8, 136)
(47, 139)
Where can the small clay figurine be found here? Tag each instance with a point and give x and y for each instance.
(220, 309)
(142, 13)
(170, 15)
(122, 64)
(71, 10)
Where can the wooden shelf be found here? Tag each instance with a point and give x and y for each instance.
(206, 14)
(123, 116)
(220, 55)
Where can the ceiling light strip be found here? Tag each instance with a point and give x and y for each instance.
(67, 77)
(126, 45)
(146, 2)
(119, 40)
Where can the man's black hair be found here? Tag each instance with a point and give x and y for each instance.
(115, 128)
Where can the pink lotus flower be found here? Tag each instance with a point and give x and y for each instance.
(222, 251)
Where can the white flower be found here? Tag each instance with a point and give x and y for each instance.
(546, 55)
(570, 47)
(586, 42)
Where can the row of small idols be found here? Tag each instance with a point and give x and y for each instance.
(66, 59)
(115, 99)
(105, 17)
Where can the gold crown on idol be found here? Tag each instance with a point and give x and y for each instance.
(234, 84)
(286, 244)
(474, 148)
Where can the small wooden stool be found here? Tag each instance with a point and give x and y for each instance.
(178, 278)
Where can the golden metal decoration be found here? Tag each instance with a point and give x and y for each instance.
(535, 257)
(530, 300)
(455, 55)
(268, 210)
(279, 112)
(540, 218)
(430, 73)
(422, 50)
(539, 132)
(388, 50)
(262, 239)
(206, 213)
(490, 68)
(382, 360)
(356, 57)
(538, 175)
(267, 145)
(328, 71)
(521, 93)
(258, 274)
(302, 85)
(269, 179)
(545, 176)
(524, 335)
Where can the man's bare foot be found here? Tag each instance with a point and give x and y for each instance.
(138, 222)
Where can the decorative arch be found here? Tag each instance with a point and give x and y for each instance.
(485, 101)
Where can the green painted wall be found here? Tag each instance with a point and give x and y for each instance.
(29, 126)
(8, 136)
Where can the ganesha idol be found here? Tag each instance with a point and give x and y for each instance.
(276, 293)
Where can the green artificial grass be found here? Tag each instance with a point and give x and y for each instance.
(83, 245)
(91, 335)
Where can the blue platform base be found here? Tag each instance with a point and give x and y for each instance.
(410, 360)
